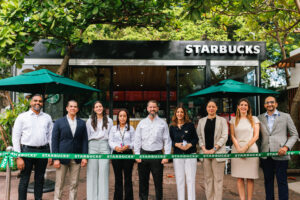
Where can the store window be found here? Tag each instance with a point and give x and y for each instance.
(95, 77)
(244, 74)
(192, 79)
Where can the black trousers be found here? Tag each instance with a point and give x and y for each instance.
(40, 166)
(270, 168)
(123, 166)
(156, 168)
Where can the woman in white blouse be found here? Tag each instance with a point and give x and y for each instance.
(121, 138)
(98, 127)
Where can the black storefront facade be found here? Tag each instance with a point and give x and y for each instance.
(129, 73)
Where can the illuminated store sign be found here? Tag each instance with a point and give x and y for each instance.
(222, 49)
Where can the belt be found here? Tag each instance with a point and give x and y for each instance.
(36, 147)
(128, 151)
(151, 152)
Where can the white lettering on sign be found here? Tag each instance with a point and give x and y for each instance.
(222, 49)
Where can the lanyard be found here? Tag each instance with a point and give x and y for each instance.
(122, 134)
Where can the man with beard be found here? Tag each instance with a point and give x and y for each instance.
(275, 126)
(32, 133)
(151, 137)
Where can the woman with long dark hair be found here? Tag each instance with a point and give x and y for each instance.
(98, 127)
(121, 141)
(213, 134)
(184, 140)
(244, 130)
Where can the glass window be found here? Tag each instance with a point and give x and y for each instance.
(88, 76)
(192, 79)
(244, 74)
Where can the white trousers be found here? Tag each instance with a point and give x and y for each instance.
(98, 172)
(185, 171)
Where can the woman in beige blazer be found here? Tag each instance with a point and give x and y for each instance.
(213, 134)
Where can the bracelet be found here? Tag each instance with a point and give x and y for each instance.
(248, 146)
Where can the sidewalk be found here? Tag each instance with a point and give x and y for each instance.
(229, 192)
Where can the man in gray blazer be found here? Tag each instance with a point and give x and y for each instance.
(275, 127)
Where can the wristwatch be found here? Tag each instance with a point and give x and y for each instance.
(215, 148)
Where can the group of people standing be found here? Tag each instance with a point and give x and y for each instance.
(34, 132)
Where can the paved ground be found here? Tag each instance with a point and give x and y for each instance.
(229, 193)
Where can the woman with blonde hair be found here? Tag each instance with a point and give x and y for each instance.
(244, 133)
(213, 134)
(184, 140)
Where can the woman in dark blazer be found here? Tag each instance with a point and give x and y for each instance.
(184, 140)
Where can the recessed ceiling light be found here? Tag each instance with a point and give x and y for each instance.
(115, 73)
(141, 85)
(142, 73)
(118, 85)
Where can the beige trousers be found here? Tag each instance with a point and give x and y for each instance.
(60, 180)
(213, 177)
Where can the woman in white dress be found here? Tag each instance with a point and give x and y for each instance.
(244, 133)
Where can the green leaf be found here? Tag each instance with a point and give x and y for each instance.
(62, 53)
(22, 33)
(95, 10)
(52, 25)
(69, 19)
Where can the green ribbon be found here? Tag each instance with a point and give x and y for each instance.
(7, 159)
(8, 156)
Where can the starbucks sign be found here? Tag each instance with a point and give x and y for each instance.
(222, 49)
(53, 98)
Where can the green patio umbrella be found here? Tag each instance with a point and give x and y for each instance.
(44, 81)
(230, 87)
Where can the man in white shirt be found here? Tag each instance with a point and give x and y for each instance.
(32, 133)
(151, 137)
(69, 135)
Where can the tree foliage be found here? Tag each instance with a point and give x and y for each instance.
(7, 120)
(267, 20)
(24, 22)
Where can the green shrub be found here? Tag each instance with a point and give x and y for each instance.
(7, 120)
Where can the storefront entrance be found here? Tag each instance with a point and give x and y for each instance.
(134, 86)
(129, 73)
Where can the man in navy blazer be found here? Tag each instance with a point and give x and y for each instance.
(69, 135)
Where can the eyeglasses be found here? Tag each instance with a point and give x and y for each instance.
(269, 102)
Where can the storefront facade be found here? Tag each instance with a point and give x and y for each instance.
(129, 73)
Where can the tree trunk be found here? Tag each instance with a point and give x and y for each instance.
(295, 116)
(295, 109)
(283, 52)
(3, 136)
(63, 66)
(297, 2)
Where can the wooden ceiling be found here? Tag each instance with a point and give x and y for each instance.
(139, 78)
